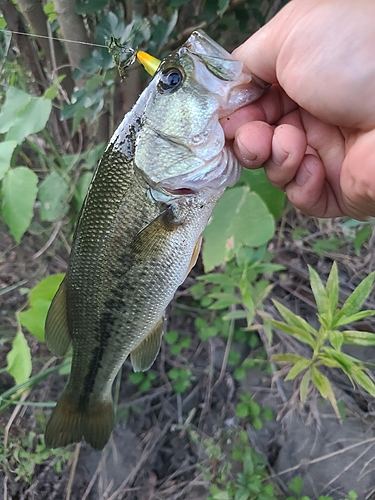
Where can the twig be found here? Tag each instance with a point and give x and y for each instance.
(208, 394)
(5, 489)
(350, 464)
(95, 475)
(151, 445)
(49, 241)
(264, 340)
(226, 355)
(72, 471)
(12, 419)
(305, 463)
(13, 287)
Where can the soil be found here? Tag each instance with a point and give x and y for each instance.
(156, 450)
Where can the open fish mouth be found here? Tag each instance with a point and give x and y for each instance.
(180, 191)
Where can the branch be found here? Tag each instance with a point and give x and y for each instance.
(72, 27)
(33, 12)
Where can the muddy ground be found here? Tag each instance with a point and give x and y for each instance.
(156, 451)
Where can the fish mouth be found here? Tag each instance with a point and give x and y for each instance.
(180, 191)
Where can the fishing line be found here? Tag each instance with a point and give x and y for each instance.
(52, 38)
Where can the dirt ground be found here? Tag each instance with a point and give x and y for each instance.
(152, 453)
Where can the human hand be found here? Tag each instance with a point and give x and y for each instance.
(314, 130)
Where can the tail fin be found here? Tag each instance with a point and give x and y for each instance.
(70, 425)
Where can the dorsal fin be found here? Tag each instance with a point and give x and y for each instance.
(57, 335)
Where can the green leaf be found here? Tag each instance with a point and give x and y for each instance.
(242, 410)
(6, 153)
(171, 337)
(336, 338)
(332, 288)
(30, 119)
(287, 358)
(363, 380)
(34, 318)
(19, 192)
(296, 485)
(362, 235)
(19, 359)
(354, 302)
(239, 218)
(345, 320)
(324, 387)
(218, 279)
(46, 289)
(327, 360)
(293, 319)
(319, 291)
(53, 90)
(53, 195)
(222, 6)
(82, 188)
(297, 333)
(40, 298)
(90, 6)
(356, 337)
(239, 314)
(298, 368)
(15, 100)
(258, 182)
(346, 362)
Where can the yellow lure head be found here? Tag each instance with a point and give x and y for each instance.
(150, 63)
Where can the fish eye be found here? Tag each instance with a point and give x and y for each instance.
(170, 80)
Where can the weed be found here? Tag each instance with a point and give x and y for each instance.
(326, 342)
(143, 380)
(24, 455)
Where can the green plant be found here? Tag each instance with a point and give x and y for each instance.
(143, 380)
(326, 342)
(177, 342)
(181, 378)
(249, 482)
(249, 409)
(296, 486)
(23, 455)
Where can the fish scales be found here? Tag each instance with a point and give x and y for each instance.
(139, 230)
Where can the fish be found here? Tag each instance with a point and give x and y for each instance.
(140, 228)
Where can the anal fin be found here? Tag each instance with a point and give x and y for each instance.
(143, 356)
(57, 335)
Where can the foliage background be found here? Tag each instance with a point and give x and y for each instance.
(61, 98)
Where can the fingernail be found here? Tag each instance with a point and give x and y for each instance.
(278, 155)
(245, 154)
(302, 176)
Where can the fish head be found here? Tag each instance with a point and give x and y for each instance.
(180, 146)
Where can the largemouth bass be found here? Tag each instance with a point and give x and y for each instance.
(140, 228)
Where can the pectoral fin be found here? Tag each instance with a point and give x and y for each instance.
(144, 355)
(194, 257)
(155, 236)
(57, 335)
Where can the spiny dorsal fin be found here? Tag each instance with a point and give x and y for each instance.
(144, 355)
(57, 335)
